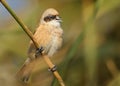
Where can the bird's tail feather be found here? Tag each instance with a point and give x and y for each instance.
(25, 71)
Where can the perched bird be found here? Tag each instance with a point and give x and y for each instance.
(49, 36)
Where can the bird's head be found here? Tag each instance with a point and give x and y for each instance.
(51, 17)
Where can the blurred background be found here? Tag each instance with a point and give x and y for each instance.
(90, 55)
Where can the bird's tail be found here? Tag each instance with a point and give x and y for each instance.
(25, 71)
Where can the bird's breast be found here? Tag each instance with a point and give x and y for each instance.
(49, 38)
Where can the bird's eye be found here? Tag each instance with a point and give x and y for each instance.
(52, 16)
(49, 18)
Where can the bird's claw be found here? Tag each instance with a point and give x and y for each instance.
(39, 51)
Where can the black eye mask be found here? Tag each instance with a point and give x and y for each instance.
(50, 17)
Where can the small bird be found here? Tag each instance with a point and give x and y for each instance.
(49, 36)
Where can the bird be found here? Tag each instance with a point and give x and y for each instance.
(49, 36)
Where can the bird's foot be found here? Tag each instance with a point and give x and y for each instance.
(39, 51)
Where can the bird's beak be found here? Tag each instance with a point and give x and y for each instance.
(58, 18)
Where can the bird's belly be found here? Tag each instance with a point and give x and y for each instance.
(55, 45)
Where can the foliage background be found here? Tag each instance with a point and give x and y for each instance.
(90, 55)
